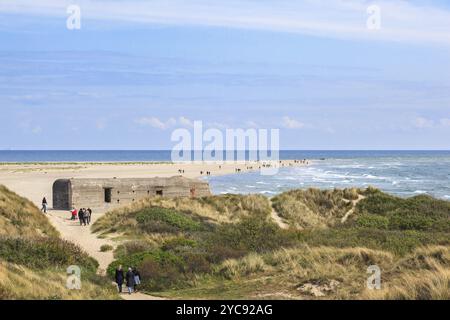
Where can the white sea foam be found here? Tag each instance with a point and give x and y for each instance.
(267, 192)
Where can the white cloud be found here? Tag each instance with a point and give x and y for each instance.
(401, 21)
(155, 122)
(421, 123)
(290, 123)
(251, 124)
(185, 122)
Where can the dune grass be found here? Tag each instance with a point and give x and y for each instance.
(282, 274)
(227, 247)
(20, 282)
(314, 208)
(212, 209)
(20, 217)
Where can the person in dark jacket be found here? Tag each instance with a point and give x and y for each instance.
(129, 277)
(137, 278)
(81, 217)
(88, 215)
(44, 205)
(119, 278)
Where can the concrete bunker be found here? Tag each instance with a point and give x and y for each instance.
(97, 193)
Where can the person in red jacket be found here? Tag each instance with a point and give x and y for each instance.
(74, 214)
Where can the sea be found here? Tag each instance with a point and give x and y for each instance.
(402, 173)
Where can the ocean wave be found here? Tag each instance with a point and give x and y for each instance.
(267, 192)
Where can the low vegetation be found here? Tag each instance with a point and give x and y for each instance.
(228, 247)
(304, 209)
(106, 247)
(20, 282)
(34, 259)
(213, 210)
(20, 217)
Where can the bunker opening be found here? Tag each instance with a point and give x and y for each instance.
(108, 192)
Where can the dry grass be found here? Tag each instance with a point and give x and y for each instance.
(214, 209)
(20, 217)
(18, 282)
(314, 208)
(424, 274)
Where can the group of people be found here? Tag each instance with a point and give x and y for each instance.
(84, 216)
(132, 279)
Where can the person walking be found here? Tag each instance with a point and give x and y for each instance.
(89, 215)
(119, 278)
(44, 205)
(74, 214)
(81, 216)
(137, 278)
(130, 280)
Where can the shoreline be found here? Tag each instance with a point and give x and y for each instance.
(34, 180)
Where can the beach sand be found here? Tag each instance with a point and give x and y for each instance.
(34, 181)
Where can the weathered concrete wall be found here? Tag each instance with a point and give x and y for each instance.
(91, 192)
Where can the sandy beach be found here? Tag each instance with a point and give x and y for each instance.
(34, 181)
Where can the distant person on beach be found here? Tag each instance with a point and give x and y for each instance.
(44, 205)
(119, 278)
(130, 280)
(88, 214)
(74, 213)
(137, 278)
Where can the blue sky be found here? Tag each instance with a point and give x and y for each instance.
(136, 70)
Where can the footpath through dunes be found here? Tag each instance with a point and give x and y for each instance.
(91, 243)
(82, 235)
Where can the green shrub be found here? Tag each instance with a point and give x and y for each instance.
(132, 247)
(379, 203)
(159, 269)
(106, 247)
(373, 221)
(179, 243)
(421, 213)
(45, 253)
(251, 234)
(395, 241)
(157, 219)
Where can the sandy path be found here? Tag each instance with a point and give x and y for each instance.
(277, 219)
(81, 235)
(350, 212)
